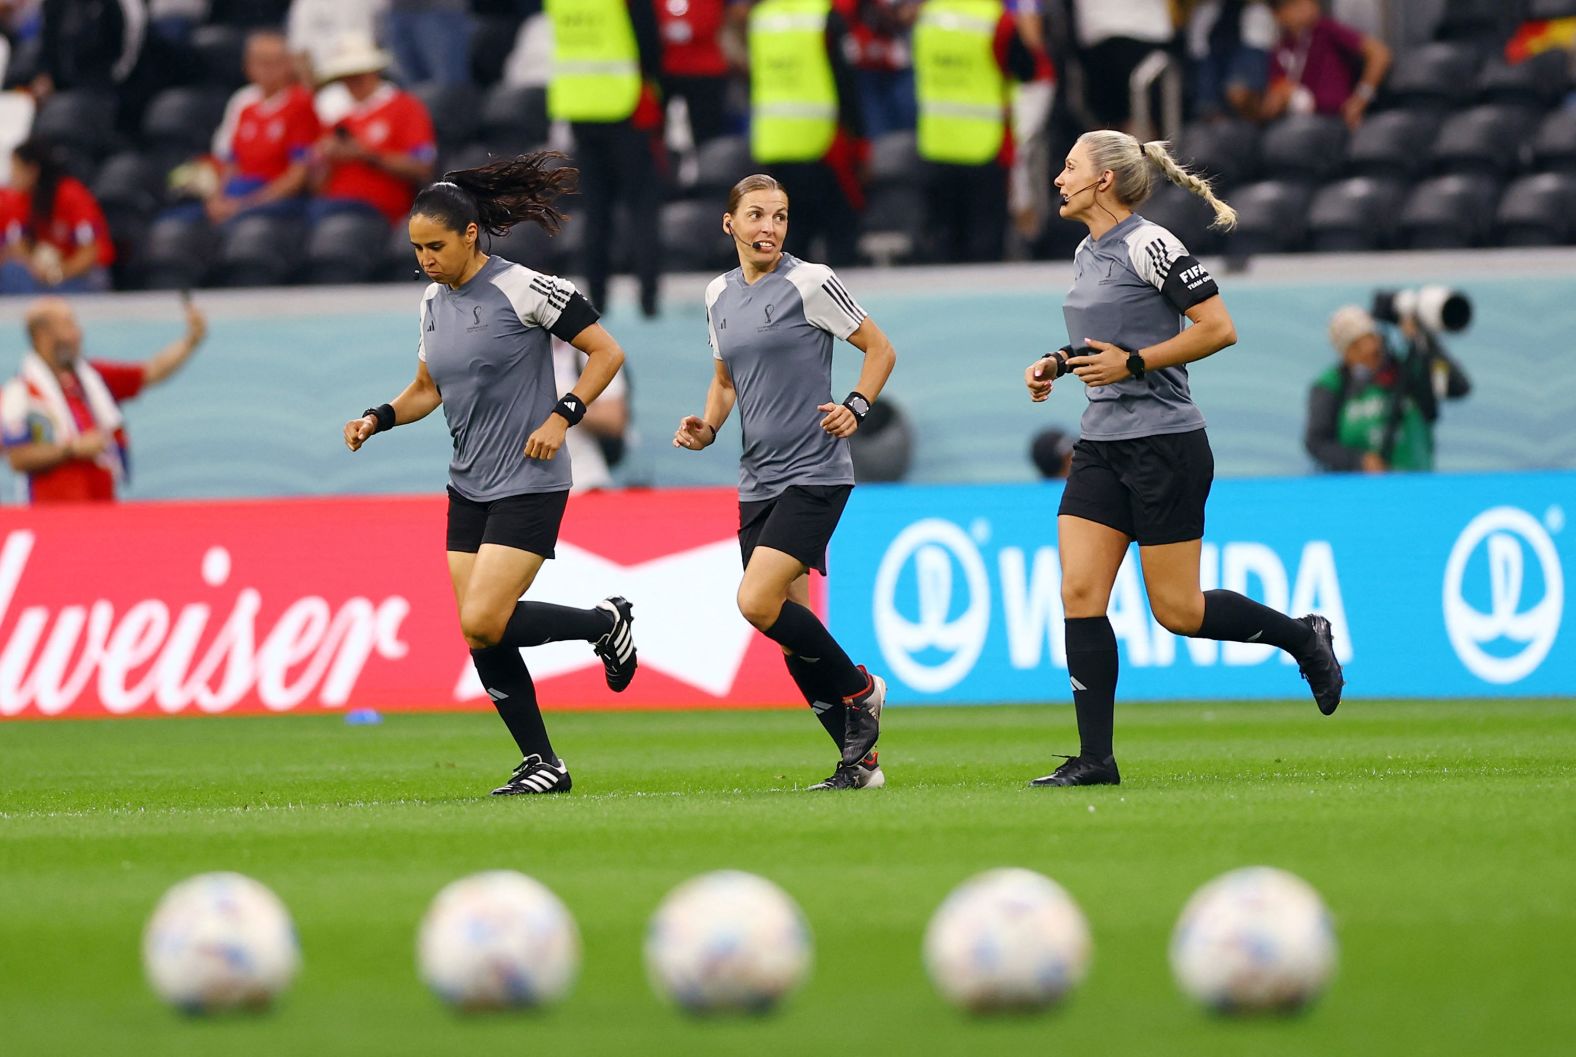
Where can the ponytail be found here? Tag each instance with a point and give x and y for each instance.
(1158, 152)
(497, 196)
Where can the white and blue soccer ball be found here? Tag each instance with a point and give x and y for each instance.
(1007, 940)
(727, 942)
(220, 941)
(1257, 939)
(498, 940)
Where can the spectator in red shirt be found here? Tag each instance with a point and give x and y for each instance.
(267, 135)
(695, 66)
(376, 156)
(55, 235)
(60, 419)
(1322, 66)
(879, 34)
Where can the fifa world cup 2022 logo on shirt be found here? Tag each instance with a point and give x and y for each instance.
(1504, 593)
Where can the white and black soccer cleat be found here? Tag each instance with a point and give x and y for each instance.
(862, 722)
(536, 775)
(617, 647)
(866, 774)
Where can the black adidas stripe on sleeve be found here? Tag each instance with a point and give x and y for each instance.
(835, 291)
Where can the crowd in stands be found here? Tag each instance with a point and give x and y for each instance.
(171, 143)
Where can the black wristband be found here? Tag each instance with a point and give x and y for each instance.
(1060, 356)
(384, 413)
(858, 403)
(571, 407)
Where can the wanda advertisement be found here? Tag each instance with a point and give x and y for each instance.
(326, 605)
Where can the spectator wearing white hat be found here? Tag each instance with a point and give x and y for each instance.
(375, 156)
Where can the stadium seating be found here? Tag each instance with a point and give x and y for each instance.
(692, 237)
(1450, 212)
(261, 251)
(82, 124)
(337, 250)
(1440, 76)
(721, 163)
(1539, 210)
(1307, 147)
(1225, 151)
(892, 229)
(130, 182)
(455, 110)
(1392, 143)
(1539, 82)
(1185, 215)
(1271, 217)
(1485, 139)
(514, 119)
(221, 51)
(182, 120)
(177, 255)
(1354, 215)
(1554, 144)
(894, 161)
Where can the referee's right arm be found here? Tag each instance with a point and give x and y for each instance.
(697, 432)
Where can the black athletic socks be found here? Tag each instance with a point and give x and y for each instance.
(803, 633)
(508, 683)
(1092, 667)
(534, 623)
(806, 672)
(1231, 617)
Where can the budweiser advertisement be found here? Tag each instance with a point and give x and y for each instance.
(310, 605)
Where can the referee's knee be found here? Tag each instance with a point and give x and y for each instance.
(481, 630)
(760, 609)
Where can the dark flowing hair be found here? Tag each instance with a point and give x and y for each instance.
(497, 196)
(46, 158)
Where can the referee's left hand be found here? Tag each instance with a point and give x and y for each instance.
(839, 421)
(548, 438)
(1107, 366)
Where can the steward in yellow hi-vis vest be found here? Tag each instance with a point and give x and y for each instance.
(972, 62)
(607, 60)
(805, 124)
(959, 85)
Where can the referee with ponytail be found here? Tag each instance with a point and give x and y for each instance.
(485, 354)
(1142, 467)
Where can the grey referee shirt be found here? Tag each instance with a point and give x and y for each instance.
(1131, 288)
(488, 346)
(775, 338)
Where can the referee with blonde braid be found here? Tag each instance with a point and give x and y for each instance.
(1142, 467)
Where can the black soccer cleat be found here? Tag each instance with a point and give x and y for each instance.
(1082, 770)
(1321, 668)
(862, 721)
(536, 775)
(617, 647)
(866, 774)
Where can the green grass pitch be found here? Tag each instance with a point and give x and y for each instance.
(1442, 835)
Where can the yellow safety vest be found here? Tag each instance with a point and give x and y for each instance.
(596, 62)
(793, 98)
(960, 88)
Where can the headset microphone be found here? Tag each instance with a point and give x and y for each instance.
(1069, 197)
(756, 246)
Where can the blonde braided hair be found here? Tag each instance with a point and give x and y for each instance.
(1134, 166)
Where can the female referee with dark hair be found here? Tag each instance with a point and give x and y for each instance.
(485, 355)
(771, 323)
(1142, 467)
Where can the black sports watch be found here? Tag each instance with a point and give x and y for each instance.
(857, 403)
(1135, 364)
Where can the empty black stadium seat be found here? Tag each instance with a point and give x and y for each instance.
(132, 181)
(249, 12)
(184, 118)
(177, 255)
(492, 39)
(1550, 8)
(1392, 143)
(721, 163)
(530, 245)
(1441, 76)
(894, 159)
(1272, 217)
(1538, 82)
(1554, 143)
(221, 52)
(1305, 147)
(1485, 139)
(1355, 214)
(1538, 210)
(261, 251)
(80, 122)
(1182, 213)
(514, 119)
(345, 248)
(1449, 212)
(892, 227)
(455, 112)
(1225, 151)
(693, 239)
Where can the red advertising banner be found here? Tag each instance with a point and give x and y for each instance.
(313, 604)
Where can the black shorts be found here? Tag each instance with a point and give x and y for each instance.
(526, 522)
(1151, 489)
(799, 522)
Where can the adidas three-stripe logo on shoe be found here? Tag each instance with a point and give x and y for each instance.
(536, 775)
(617, 647)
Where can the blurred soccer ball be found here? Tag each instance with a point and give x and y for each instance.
(220, 941)
(498, 940)
(1255, 939)
(1007, 939)
(727, 941)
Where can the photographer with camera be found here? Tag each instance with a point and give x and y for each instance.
(1375, 410)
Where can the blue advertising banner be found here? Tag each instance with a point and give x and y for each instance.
(1437, 586)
